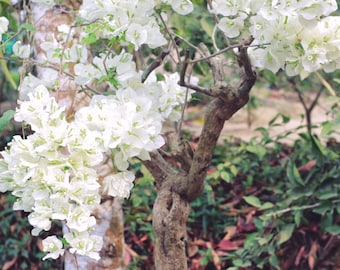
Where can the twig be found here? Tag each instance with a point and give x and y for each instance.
(290, 209)
(171, 36)
(6, 71)
(227, 49)
(156, 63)
(188, 85)
(226, 39)
(326, 84)
(189, 43)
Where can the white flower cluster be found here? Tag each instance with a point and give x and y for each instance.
(133, 20)
(295, 35)
(129, 123)
(51, 172)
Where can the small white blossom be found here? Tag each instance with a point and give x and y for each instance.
(3, 26)
(84, 244)
(53, 246)
(21, 51)
(119, 184)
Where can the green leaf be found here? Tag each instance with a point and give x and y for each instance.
(207, 27)
(333, 229)
(252, 200)
(323, 207)
(266, 205)
(241, 263)
(258, 150)
(327, 194)
(293, 174)
(225, 176)
(5, 119)
(297, 217)
(90, 39)
(274, 261)
(8, 2)
(286, 233)
(28, 27)
(284, 118)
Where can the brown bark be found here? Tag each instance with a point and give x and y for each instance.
(177, 189)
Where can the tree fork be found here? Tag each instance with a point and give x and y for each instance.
(176, 189)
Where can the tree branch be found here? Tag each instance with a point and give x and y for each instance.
(155, 64)
(158, 167)
(227, 101)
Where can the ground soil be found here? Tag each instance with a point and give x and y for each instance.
(271, 102)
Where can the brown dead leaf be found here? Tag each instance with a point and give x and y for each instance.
(192, 250)
(144, 238)
(129, 252)
(230, 232)
(300, 255)
(228, 245)
(216, 258)
(9, 264)
(39, 244)
(312, 255)
(308, 166)
(200, 242)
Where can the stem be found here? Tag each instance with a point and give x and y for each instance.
(6, 71)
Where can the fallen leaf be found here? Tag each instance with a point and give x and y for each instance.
(228, 245)
(308, 166)
(312, 255)
(9, 264)
(216, 258)
(300, 255)
(192, 250)
(230, 232)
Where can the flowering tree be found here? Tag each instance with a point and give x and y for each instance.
(118, 106)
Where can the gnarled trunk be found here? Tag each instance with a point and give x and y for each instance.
(177, 187)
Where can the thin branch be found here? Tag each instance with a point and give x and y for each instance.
(315, 101)
(231, 47)
(158, 167)
(217, 20)
(296, 208)
(326, 84)
(188, 85)
(156, 63)
(170, 35)
(189, 43)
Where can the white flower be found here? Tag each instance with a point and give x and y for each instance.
(137, 35)
(53, 246)
(232, 27)
(3, 26)
(119, 184)
(182, 7)
(228, 8)
(44, 3)
(84, 244)
(21, 51)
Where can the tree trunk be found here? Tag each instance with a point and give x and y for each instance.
(177, 187)
(170, 214)
(110, 221)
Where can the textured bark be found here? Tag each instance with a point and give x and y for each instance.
(110, 222)
(178, 187)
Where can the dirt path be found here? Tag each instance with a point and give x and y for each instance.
(272, 103)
